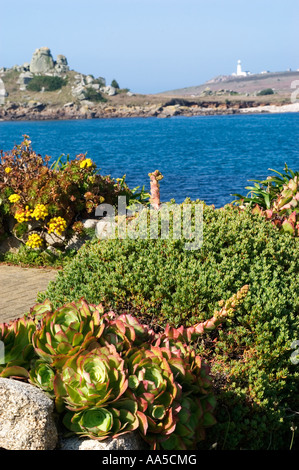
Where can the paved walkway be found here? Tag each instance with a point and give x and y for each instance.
(19, 288)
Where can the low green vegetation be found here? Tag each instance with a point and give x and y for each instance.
(93, 95)
(266, 91)
(26, 256)
(46, 82)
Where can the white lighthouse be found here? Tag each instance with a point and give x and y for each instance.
(240, 73)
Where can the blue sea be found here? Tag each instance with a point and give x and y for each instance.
(204, 157)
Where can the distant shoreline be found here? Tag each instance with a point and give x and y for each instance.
(41, 112)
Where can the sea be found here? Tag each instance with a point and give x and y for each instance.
(209, 158)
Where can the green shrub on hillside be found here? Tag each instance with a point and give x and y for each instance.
(115, 84)
(93, 95)
(162, 282)
(49, 83)
(266, 91)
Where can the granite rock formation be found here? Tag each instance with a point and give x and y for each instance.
(61, 65)
(42, 61)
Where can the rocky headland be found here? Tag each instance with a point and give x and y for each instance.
(62, 93)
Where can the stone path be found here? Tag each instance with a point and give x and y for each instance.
(19, 288)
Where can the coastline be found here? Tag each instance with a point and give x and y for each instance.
(86, 110)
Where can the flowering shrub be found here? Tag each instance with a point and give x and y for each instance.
(34, 241)
(51, 199)
(109, 374)
(40, 212)
(57, 225)
(14, 197)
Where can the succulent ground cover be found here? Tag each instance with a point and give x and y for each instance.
(110, 374)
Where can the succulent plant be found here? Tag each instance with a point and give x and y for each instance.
(285, 208)
(111, 374)
(152, 385)
(289, 196)
(16, 341)
(102, 422)
(124, 332)
(42, 376)
(37, 312)
(193, 410)
(91, 379)
(278, 202)
(192, 421)
(67, 330)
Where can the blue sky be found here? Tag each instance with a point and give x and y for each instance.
(152, 46)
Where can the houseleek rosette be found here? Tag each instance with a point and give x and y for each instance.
(40, 310)
(102, 422)
(16, 347)
(197, 402)
(91, 379)
(190, 426)
(42, 376)
(124, 332)
(67, 330)
(190, 370)
(152, 385)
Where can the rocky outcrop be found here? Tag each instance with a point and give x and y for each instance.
(84, 109)
(42, 61)
(26, 417)
(61, 65)
(109, 90)
(24, 79)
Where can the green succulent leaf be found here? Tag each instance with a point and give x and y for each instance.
(14, 371)
(42, 376)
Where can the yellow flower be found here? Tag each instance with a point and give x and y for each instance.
(40, 212)
(8, 170)
(57, 225)
(14, 198)
(87, 162)
(92, 179)
(23, 215)
(34, 241)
